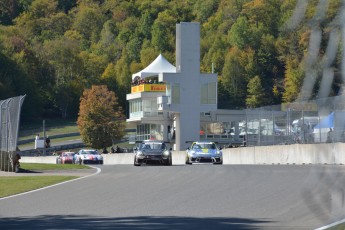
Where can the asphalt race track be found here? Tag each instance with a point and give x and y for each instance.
(185, 197)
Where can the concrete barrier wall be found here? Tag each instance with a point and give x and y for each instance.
(278, 154)
(287, 154)
(118, 159)
(43, 159)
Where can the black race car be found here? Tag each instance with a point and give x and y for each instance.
(152, 152)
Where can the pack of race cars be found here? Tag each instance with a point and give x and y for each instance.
(83, 156)
(151, 152)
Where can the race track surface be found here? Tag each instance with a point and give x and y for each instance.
(185, 197)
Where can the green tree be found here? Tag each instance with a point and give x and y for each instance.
(214, 54)
(293, 79)
(234, 79)
(264, 14)
(123, 78)
(107, 45)
(205, 9)
(65, 98)
(93, 66)
(101, 119)
(240, 34)
(256, 94)
(63, 56)
(145, 25)
(9, 10)
(269, 67)
(163, 32)
(147, 54)
(88, 21)
(68, 75)
(14, 82)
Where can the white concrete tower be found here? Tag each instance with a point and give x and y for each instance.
(188, 91)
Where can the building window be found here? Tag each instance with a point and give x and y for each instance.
(135, 108)
(149, 131)
(209, 93)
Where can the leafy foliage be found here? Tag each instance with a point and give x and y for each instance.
(101, 119)
(51, 50)
(255, 93)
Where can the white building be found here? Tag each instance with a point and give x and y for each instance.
(177, 104)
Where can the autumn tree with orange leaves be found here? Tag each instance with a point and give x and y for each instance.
(101, 119)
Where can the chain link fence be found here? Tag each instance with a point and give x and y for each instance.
(9, 126)
(306, 122)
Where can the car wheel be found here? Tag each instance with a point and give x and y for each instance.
(187, 161)
(167, 162)
(135, 162)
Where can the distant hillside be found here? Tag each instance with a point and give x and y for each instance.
(51, 50)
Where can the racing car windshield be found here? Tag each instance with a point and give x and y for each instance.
(153, 145)
(204, 146)
(93, 152)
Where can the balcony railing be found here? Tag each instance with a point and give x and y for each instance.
(148, 88)
(143, 114)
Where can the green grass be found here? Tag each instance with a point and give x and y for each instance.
(11, 185)
(338, 227)
(53, 141)
(52, 127)
(41, 166)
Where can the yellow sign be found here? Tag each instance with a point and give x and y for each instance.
(148, 88)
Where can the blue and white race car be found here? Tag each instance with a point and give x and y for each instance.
(204, 152)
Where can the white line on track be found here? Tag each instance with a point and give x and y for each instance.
(331, 225)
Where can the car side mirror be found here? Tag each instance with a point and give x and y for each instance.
(188, 148)
(170, 149)
(220, 148)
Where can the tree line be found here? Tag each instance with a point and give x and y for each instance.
(53, 50)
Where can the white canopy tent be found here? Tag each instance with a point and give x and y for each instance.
(159, 65)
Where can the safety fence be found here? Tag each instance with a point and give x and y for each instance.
(9, 125)
(305, 122)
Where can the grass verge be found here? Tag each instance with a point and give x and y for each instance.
(54, 140)
(15, 185)
(337, 227)
(11, 185)
(41, 166)
(52, 127)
